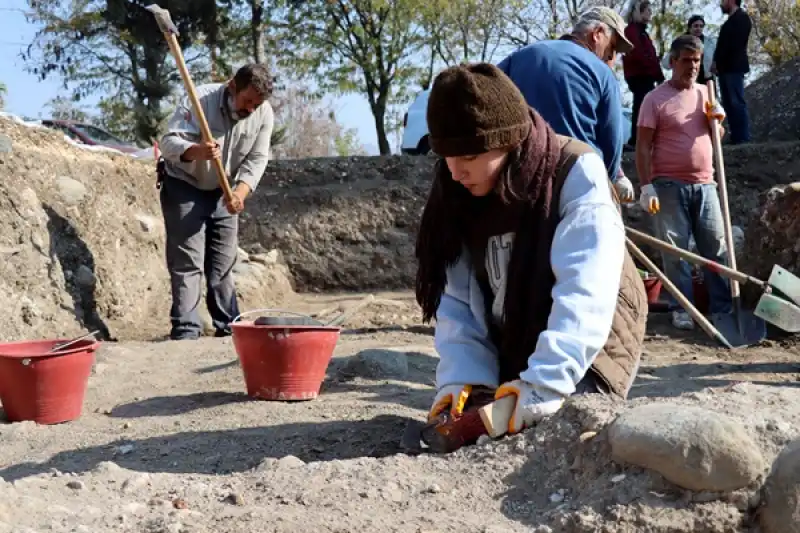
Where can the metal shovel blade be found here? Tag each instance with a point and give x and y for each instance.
(778, 305)
(779, 312)
(784, 283)
(753, 329)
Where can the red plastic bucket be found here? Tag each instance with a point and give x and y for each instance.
(284, 362)
(700, 292)
(46, 388)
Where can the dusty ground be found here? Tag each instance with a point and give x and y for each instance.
(169, 442)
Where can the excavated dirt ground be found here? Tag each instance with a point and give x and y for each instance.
(169, 442)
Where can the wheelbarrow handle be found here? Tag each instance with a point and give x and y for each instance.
(713, 266)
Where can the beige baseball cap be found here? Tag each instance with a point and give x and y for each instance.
(613, 20)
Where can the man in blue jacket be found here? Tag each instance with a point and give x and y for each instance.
(569, 82)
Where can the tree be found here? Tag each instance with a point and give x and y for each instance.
(3, 92)
(776, 25)
(62, 108)
(346, 46)
(115, 46)
(465, 31)
(309, 126)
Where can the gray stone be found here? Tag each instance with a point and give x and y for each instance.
(272, 257)
(378, 363)
(85, 277)
(147, 223)
(290, 461)
(72, 191)
(76, 484)
(6, 145)
(694, 448)
(780, 495)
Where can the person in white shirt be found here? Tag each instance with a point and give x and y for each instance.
(521, 256)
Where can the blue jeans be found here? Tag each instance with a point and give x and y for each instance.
(731, 90)
(692, 210)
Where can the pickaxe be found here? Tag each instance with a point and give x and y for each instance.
(170, 32)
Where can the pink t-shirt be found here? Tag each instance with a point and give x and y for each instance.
(682, 145)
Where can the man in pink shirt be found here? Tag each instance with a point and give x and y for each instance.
(675, 163)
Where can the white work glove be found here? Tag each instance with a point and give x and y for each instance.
(624, 189)
(533, 403)
(649, 199)
(450, 397)
(715, 111)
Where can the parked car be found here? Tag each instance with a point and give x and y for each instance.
(415, 126)
(91, 135)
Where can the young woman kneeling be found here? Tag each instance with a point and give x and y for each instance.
(521, 256)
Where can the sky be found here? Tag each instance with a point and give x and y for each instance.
(28, 95)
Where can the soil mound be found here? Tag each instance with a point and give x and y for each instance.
(82, 242)
(774, 104)
(350, 223)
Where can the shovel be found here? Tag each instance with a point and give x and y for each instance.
(742, 328)
(299, 319)
(777, 305)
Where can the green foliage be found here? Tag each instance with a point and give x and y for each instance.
(364, 46)
(3, 92)
(776, 29)
(114, 46)
(62, 108)
(279, 133)
(346, 144)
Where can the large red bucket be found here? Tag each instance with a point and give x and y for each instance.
(46, 388)
(285, 362)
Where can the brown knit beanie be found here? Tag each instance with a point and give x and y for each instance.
(473, 109)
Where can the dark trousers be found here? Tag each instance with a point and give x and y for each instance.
(639, 87)
(731, 90)
(201, 240)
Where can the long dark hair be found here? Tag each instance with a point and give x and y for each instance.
(443, 228)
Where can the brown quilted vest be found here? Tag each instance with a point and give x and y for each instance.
(618, 361)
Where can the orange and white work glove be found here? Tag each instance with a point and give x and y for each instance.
(624, 189)
(533, 403)
(450, 397)
(649, 199)
(715, 111)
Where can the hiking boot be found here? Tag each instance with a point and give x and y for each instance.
(682, 320)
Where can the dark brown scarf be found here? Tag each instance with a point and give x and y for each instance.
(527, 187)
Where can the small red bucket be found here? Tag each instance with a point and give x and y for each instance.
(46, 388)
(653, 288)
(700, 292)
(284, 361)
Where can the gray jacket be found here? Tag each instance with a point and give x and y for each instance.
(245, 144)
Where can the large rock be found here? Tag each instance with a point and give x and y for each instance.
(377, 363)
(694, 448)
(780, 510)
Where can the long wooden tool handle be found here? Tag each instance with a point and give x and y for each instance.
(678, 295)
(694, 258)
(723, 196)
(172, 41)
